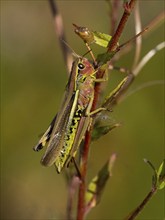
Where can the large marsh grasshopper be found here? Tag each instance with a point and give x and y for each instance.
(67, 130)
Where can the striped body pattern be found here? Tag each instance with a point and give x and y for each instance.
(68, 139)
(66, 132)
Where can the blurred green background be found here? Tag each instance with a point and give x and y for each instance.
(33, 78)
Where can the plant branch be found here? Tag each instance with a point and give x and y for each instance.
(142, 205)
(128, 9)
(156, 22)
(133, 38)
(59, 29)
(113, 14)
(83, 170)
(151, 26)
(84, 156)
(138, 40)
(72, 187)
(118, 96)
(147, 57)
(143, 86)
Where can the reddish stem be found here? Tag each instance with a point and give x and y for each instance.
(82, 188)
(128, 8)
(84, 156)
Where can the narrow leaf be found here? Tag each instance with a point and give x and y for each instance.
(97, 185)
(104, 57)
(161, 175)
(154, 177)
(101, 39)
(158, 178)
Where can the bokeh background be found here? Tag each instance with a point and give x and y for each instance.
(33, 78)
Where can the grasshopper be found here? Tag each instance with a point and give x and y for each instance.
(67, 130)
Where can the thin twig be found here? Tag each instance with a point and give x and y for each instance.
(138, 40)
(142, 205)
(147, 57)
(133, 38)
(156, 22)
(119, 95)
(143, 86)
(113, 14)
(72, 187)
(59, 29)
(151, 26)
(115, 39)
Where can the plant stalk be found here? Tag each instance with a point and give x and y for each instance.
(136, 212)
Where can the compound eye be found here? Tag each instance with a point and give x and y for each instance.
(81, 66)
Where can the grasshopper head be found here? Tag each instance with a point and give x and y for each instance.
(84, 67)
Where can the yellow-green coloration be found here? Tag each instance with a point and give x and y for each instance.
(69, 126)
(98, 183)
(116, 94)
(45, 138)
(66, 132)
(90, 37)
(69, 137)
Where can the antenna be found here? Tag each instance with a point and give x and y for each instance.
(70, 48)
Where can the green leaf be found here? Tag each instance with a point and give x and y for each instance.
(161, 185)
(103, 123)
(97, 185)
(101, 39)
(104, 57)
(161, 175)
(158, 178)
